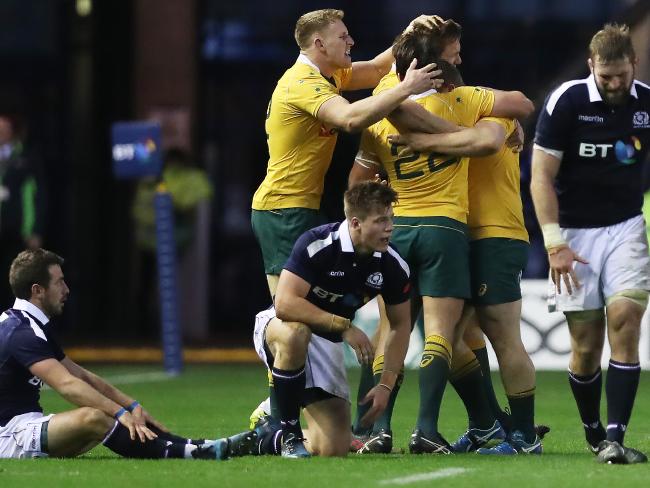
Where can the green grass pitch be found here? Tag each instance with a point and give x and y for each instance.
(215, 401)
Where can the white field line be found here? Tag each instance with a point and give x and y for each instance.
(414, 478)
(130, 378)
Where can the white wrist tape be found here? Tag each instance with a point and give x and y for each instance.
(552, 235)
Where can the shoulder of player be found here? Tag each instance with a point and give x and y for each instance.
(392, 259)
(642, 89)
(318, 239)
(19, 326)
(566, 93)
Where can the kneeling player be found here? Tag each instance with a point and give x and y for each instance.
(333, 270)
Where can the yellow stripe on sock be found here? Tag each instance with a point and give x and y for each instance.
(270, 376)
(522, 394)
(465, 369)
(436, 346)
(378, 365)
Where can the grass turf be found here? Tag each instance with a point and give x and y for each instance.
(214, 401)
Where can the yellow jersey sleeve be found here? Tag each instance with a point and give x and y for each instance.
(343, 77)
(495, 207)
(470, 103)
(368, 154)
(307, 93)
(388, 81)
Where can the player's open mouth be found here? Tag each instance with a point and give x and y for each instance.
(347, 53)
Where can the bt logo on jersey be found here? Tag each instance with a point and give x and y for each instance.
(326, 295)
(625, 152)
(588, 150)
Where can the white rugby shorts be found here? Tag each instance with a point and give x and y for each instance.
(325, 365)
(21, 437)
(618, 260)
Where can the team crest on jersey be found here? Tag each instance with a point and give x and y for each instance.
(375, 280)
(641, 120)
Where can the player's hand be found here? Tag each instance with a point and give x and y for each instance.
(140, 414)
(136, 428)
(416, 141)
(515, 140)
(561, 261)
(379, 396)
(378, 179)
(360, 343)
(419, 80)
(425, 21)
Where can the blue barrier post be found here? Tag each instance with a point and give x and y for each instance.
(167, 284)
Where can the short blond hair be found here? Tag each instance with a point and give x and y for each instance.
(612, 43)
(312, 22)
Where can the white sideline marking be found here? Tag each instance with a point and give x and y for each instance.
(442, 473)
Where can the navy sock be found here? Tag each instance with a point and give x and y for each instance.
(119, 441)
(289, 388)
(586, 391)
(621, 387)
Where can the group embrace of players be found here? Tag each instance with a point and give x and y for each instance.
(458, 244)
(433, 226)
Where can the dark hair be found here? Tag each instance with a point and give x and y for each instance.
(31, 267)
(424, 43)
(450, 74)
(367, 197)
(612, 43)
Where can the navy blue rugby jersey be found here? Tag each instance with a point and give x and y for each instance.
(599, 182)
(341, 280)
(24, 340)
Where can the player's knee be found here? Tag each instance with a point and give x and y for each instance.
(585, 360)
(297, 337)
(333, 448)
(95, 421)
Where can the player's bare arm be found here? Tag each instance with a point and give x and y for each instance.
(109, 391)
(292, 306)
(545, 167)
(485, 138)
(399, 317)
(351, 117)
(366, 166)
(367, 74)
(412, 117)
(511, 104)
(80, 393)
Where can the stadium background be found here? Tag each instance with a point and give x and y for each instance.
(70, 68)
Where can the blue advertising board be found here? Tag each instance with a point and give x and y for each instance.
(136, 149)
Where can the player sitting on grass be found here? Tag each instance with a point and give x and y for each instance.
(30, 356)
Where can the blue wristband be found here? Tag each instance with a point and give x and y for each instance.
(133, 406)
(119, 413)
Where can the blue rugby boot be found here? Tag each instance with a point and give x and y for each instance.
(474, 439)
(216, 450)
(515, 444)
(293, 447)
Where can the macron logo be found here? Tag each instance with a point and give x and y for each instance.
(337, 273)
(591, 118)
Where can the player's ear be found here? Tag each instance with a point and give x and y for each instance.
(590, 63)
(355, 223)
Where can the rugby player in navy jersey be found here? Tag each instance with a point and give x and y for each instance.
(29, 356)
(592, 138)
(332, 271)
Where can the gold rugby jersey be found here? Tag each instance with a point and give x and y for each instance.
(428, 184)
(300, 146)
(495, 208)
